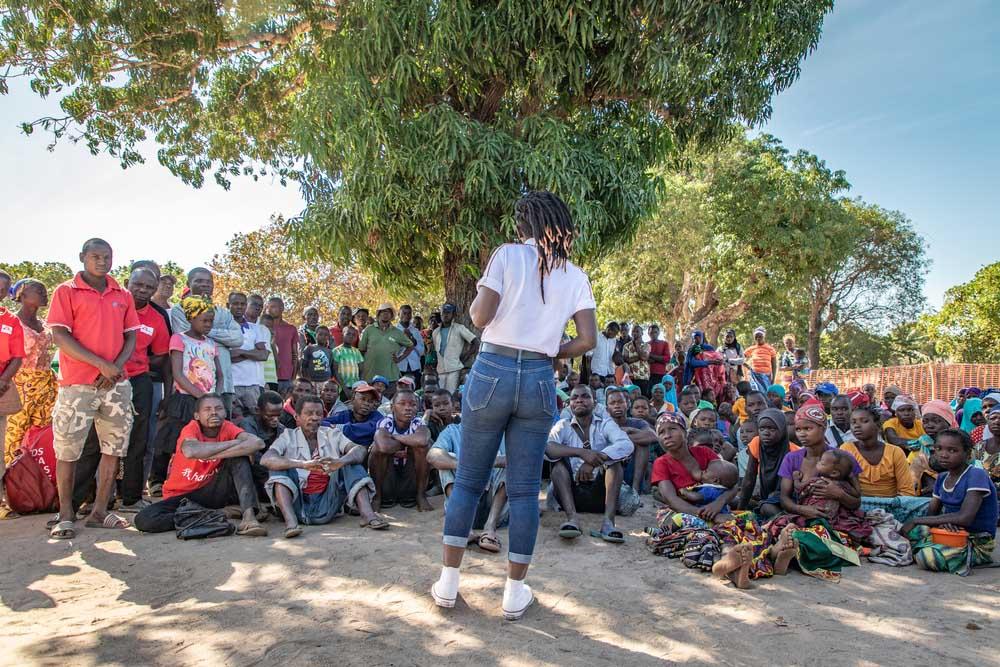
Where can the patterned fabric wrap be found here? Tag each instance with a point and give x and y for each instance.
(38, 388)
(957, 560)
(889, 547)
(689, 538)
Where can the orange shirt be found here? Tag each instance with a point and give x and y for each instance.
(97, 320)
(754, 447)
(760, 358)
(187, 475)
(152, 338)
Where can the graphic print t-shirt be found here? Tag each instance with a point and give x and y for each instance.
(198, 365)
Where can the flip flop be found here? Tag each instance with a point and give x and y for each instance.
(111, 521)
(295, 531)
(378, 523)
(251, 529)
(613, 536)
(489, 544)
(569, 531)
(7, 513)
(63, 530)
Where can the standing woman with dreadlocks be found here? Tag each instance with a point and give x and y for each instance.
(526, 296)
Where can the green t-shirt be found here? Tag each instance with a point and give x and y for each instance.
(349, 361)
(379, 347)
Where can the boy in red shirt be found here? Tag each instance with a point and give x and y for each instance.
(211, 467)
(94, 324)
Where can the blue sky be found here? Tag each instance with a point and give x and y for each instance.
(902, 95)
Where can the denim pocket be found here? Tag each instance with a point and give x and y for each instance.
(547, 396)
(479, 390)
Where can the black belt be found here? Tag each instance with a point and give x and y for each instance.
(513, 352)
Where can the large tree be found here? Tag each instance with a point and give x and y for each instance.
(413, 127)
(967, 328)
(735, 229)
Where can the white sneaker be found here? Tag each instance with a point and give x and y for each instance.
(440, 600)
(517, 597)
(445, 589)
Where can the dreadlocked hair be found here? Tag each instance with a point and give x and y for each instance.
(546, 218)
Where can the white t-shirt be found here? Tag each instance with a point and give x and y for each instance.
(251, 373)
(523, 321)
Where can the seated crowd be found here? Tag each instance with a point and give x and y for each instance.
(160, 409)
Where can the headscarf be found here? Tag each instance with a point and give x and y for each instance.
(630, 387)
(859, 399)
(812, 411)
(797, 384)
(736, 342)
(673, 418)
(893, 389)
(194, 305)
(902, 400)
(772, 456)
(693, 352)
(760, 330)
(971, 407)
(777, 389)
(669, 395)
(941, 409)
(993, 396)
(973, 392)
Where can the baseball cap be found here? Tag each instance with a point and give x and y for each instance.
(380, 378)
(362, 387)
(448, 308)
(408, 381)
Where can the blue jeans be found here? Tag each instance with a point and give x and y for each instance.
(503, 397)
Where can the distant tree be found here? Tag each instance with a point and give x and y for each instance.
(49, 273)
(967, 328)
(261, 261)
(412, 127)
(170, 267)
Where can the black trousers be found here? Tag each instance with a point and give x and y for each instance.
(131, 480)
(232, 483)
(130, 467)
(643, 386)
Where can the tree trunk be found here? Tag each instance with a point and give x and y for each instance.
(815, 331)
(459, 286)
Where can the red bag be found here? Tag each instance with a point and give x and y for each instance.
(28, 487)
(38, 442)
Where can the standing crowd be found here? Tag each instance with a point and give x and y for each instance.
(181, 412)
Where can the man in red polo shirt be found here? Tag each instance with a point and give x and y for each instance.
(94, 324)
(11, 356)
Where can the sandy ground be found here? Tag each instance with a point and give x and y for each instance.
(340, 595)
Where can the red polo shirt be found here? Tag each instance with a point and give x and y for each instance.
(151, 339)
(97, 320)
(662, 348)
(11, 338)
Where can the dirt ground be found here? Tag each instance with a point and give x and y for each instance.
(341, 595)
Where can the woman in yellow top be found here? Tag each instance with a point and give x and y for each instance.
(886, 482)
(905, 426)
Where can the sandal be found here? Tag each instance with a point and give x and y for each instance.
(489, 544)
(52, 522)
(569, 531)
(614, 536)
(251, 529)
(6, 512)
(63, 530)
(111, 521)
(378, 523)
(293, 531)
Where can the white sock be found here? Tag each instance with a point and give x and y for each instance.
(447, 585)
(516, 594)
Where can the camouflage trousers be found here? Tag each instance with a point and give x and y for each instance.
(80, 406)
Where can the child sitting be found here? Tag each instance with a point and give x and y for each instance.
(719, 477)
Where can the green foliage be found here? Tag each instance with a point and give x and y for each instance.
(413, 127)
(968, 326)
(734, 229)
(50, 274)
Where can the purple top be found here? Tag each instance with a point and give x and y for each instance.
(793, 462)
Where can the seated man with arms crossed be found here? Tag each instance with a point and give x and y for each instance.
(316, 471)
(211, 467)
(398, 459)
(587, 452)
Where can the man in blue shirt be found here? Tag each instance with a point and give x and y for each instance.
(360, 422)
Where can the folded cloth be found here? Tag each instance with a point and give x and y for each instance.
(889, 547)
